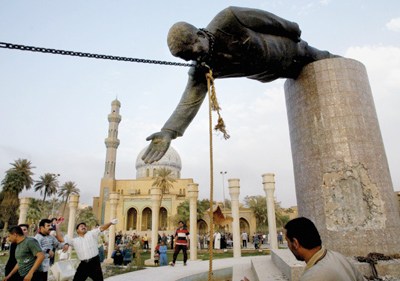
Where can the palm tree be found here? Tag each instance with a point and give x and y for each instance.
(66, 190)
(18, 177)
(35, 211)
(47, 185)
(9, 205)
(15, 180)
(258, 204)
(163, 180)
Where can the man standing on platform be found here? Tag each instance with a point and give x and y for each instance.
(87, 250)
(181, 243)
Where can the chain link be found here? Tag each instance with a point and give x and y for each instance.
(5, 45)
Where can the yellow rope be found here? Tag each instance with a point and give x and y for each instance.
(215, 106)
(210, 106)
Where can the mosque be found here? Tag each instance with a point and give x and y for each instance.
(134, 206)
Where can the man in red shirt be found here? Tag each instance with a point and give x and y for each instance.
(181, 242)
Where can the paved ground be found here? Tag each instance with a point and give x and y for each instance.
(169, 273)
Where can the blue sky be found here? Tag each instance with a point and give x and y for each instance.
(54, 108)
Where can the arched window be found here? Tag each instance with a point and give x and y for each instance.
(146, 219)
(131, 220)
(163, 219)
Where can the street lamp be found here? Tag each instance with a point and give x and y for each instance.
(223, 173)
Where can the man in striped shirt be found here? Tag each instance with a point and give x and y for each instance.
(181, 242)
(85, 245)
(47, 242)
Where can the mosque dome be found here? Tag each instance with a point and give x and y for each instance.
(171, 160)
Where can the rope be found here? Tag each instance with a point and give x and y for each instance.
(210, 107)
(215, 106)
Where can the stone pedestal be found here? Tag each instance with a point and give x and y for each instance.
(73, 206)
(193, 194)
(269, 188)
(234, 191)
(23, 209)
(341, 172)
(113, 199)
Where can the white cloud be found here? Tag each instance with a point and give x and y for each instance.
(394, 25)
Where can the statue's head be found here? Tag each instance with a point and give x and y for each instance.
(183, 40)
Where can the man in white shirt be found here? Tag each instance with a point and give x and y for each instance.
(305, 243)
(85, 245)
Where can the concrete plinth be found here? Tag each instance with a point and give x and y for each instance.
(341, 172)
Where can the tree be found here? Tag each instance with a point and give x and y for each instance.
(184, 210)
(47, 185)
(66, 190)
(258, 204)
(36, 211)
(281, 215)
(8, 207)
(163, 180)
(16, 179)
(20, 175)
(87, 216)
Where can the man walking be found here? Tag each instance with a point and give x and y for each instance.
(28, 254)
(11, 262)
(87, 250)
(244, 239)
(181, 243)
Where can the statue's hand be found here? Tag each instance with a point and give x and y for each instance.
(159, 145)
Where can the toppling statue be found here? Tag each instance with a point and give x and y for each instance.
(238, 42)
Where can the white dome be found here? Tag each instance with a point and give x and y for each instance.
(171, 160)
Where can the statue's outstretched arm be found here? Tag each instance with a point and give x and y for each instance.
(189, 105)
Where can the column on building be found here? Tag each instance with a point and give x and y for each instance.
(193, 193)
(23, 209)
(234, 191)
(139, 221)
(73, 206)
(269, 188)
(111, 232)
(155, 214)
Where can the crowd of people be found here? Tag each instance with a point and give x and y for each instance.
(31, 257)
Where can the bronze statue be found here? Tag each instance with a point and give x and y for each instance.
(238, 42)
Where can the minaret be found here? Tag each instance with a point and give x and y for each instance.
(112, 141)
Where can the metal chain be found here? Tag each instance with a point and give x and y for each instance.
(5, 45)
